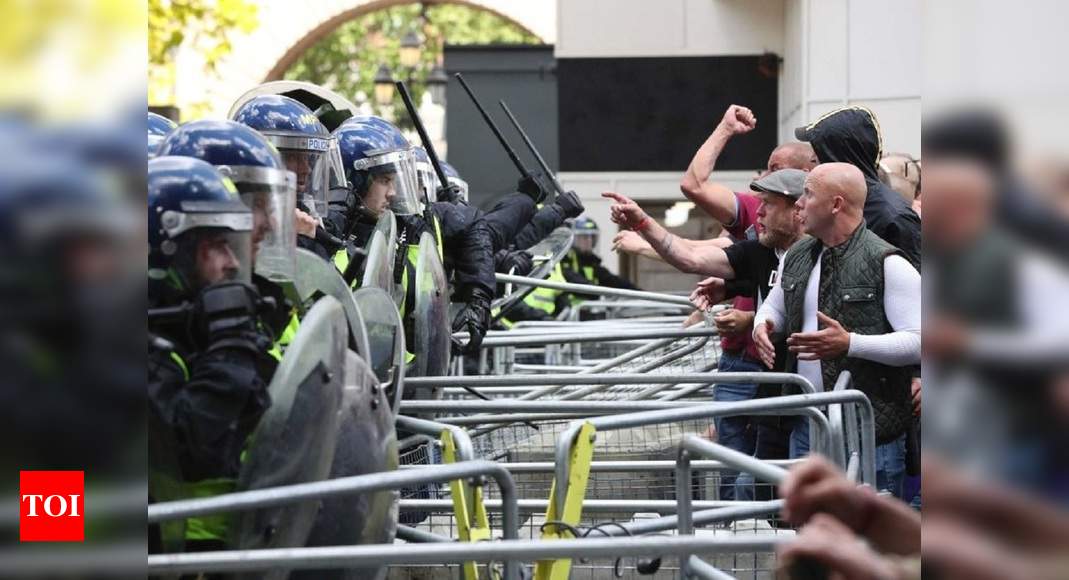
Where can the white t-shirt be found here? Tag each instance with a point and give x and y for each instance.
(901, 304)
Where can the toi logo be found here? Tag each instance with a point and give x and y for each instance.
(51, 506)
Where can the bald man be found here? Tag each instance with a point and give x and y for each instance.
(846, 300)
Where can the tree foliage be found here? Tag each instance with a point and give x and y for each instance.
(348, 59)
(208, 24)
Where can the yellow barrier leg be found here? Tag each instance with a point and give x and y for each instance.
(578, 475)
(473, 525)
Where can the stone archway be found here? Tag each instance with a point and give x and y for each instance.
(288, 28)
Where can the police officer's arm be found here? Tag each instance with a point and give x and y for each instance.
(709, 260)
(715, 199)
(573, 277)
(607, 278)
(214, 411)
(547, 219)
(467, 239)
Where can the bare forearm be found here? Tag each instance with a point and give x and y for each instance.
(704, 161)
(721, 243)
(649, 252)
(713, 198)
(686, 255)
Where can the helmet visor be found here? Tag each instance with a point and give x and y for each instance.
(214, 255)
(586, 241)
(392, 182)
(336, 166)
(274, 234)
(428, 181)
(312, 169)
(461, 185)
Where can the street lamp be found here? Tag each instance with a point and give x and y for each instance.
(384, 86)
(411, 46)
(436, 83)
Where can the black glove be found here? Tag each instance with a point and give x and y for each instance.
(474, 318)
(532, 187)
(450, 194)
(519, 260)
(225, 316)
(569, 204)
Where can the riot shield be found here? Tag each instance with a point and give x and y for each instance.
(381, 253)
(295, 440)
(318, 277)
(430, 315)
(366, 443)
(546, 255)
(386, 339)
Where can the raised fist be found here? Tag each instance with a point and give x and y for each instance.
(738, 120)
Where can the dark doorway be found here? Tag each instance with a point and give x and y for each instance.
(525, 77)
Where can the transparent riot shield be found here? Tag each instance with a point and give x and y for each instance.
(386, 339)
(295, 440)
(381, 254)
(366, 443)
(546, 255)
(318, 277)
(430, 315)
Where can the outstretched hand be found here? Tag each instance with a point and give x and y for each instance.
(625, 212)
(628, 242)
(708, 293)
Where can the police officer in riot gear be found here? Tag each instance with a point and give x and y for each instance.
(382, 173)
(305, 147)
(249, 161)
(583, 266)
(208, 362)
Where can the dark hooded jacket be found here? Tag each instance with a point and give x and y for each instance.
(852, 135)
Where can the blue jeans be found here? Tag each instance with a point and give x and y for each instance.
(891, 466)
(791, 438)
(734, 432)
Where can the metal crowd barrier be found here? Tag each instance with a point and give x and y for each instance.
(627, 389)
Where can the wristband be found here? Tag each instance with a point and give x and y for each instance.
(645, 223)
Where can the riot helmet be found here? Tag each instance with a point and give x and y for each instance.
(331, 108)
(302, 141)
(586, 235)
(381, 174)
(254, 166)
(158, 128)
(199, 231)
(454, 178)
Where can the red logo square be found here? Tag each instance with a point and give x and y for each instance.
(51, 506)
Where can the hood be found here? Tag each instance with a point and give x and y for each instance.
(847, 135)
